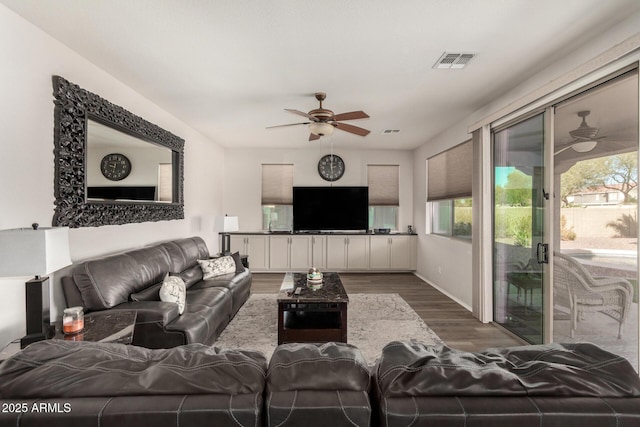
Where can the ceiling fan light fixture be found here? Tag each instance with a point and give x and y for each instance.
(584, 146)
(321, 128)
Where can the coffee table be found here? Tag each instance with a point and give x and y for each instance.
(313, 315)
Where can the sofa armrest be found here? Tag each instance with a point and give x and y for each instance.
(151, 311)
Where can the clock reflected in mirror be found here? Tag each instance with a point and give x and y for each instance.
(331, 167)
(115, 166)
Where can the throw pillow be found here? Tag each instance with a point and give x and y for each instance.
(238, 261)
(217, 266)
(173, 289)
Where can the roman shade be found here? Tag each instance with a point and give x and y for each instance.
(383, 185)
(450, 172)
(165, 182)
(277, 184)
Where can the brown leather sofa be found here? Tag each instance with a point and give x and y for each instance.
(547, 385)
(132, 281)
(69, 384)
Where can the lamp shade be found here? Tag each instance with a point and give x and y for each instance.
(28, 252)
(227, 223)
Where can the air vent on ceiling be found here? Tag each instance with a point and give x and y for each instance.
(454, 60)
(386, 131)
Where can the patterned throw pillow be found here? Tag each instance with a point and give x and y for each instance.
(173, 289)
(217, 266)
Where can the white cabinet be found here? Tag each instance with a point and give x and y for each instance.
(379, 252)
(319, 251)
(300, 250)
(290, 252)
(348, 252)
(255, 246)
(391, 252)
(357, 252)
(278, 252)
(336, 252)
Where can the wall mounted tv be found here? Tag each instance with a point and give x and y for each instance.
(330, 208)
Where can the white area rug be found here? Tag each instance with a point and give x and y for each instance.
(374, 320)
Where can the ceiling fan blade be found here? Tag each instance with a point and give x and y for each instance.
(352, 129)
(353, 115)
(313, 137)
(300, 113)
(292, 124)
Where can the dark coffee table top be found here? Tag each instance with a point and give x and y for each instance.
(332, 289)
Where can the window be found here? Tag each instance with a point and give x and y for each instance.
(383, 183)
(449, 191)
(277, 197)
(452, 217)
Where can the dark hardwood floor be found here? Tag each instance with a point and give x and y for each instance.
(453, 323)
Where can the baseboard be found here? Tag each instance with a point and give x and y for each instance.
(469, 308)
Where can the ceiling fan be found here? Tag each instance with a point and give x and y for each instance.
(585, 137)
(323, 121)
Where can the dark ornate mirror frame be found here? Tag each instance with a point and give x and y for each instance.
(73, 107)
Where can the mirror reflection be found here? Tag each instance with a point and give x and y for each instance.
(122, 167)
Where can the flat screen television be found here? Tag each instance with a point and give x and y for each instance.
(330, 208)
(122, 193)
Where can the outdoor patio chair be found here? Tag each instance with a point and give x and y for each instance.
(576, 289)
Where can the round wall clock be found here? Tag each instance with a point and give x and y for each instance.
(115, 166)
(331, 167)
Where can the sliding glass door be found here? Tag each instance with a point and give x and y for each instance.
(519, 245)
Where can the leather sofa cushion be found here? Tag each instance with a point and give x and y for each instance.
(184, 253)
(106, 282)
(206, 312)
(57, 368)
(239, 284)
(193, 410)
(410, 370)
(152, 293)
(330, 366)
(191, 275)
(331, 408)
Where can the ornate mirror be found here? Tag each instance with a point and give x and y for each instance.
(112, 167)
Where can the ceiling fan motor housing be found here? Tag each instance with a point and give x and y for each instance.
(584, 131)
(321, 114)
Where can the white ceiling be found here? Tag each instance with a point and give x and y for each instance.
(229, 68)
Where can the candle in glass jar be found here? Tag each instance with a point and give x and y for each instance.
(72, 320)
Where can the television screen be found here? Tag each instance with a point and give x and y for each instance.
(122, 193)
(330, 208)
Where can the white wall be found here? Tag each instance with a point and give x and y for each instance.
(243, 177)
(442, 261)
(446, 262)
(30, 58)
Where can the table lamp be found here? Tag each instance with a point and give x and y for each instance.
(227, 224)
(39, 251)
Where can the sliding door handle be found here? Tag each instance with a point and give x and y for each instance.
(542, 252)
